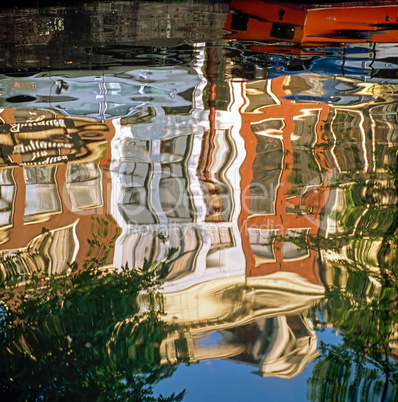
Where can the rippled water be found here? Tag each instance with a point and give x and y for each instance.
(192, 209)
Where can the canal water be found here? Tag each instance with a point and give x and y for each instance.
(199, 202)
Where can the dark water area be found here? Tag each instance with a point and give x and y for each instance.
(198, 201)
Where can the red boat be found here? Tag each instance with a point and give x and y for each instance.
(313, 25)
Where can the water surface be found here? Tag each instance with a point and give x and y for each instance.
(192, 209)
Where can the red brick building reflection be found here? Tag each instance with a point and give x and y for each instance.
(54, 177)
(285, 178)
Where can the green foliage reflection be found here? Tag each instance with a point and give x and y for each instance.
(94, 333)
(361, 301)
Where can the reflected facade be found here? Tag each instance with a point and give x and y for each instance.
(262, 179)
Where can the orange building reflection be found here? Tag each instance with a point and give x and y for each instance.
(282, 197)
(53, 179)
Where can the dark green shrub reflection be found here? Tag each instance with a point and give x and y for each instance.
(95, 333)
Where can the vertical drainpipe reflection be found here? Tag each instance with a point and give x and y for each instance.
(212, 64)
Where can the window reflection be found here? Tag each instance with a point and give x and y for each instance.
(84, 185)
(347, 126)
(175, 199)
(262, 245)
(258, 96)
(42, 197)
(7, 194)
(188, 241)
(305, 167)
(267, 167)
(297, 249)
(134, 202)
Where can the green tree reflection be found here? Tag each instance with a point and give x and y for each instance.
(361, 302)
(95, 333)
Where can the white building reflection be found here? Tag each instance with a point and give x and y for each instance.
(101, 94)
(259, 321)
(171, 191)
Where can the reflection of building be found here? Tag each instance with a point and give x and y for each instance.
(175, 188)
(53, 179)
(364, 145)
(209, 192)
(50, 253)
(231, 198)
(356, 83)
(116, 92)
(284, 175)
(214, 190)
(55, 171)
(254, 320)
(281, 346)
